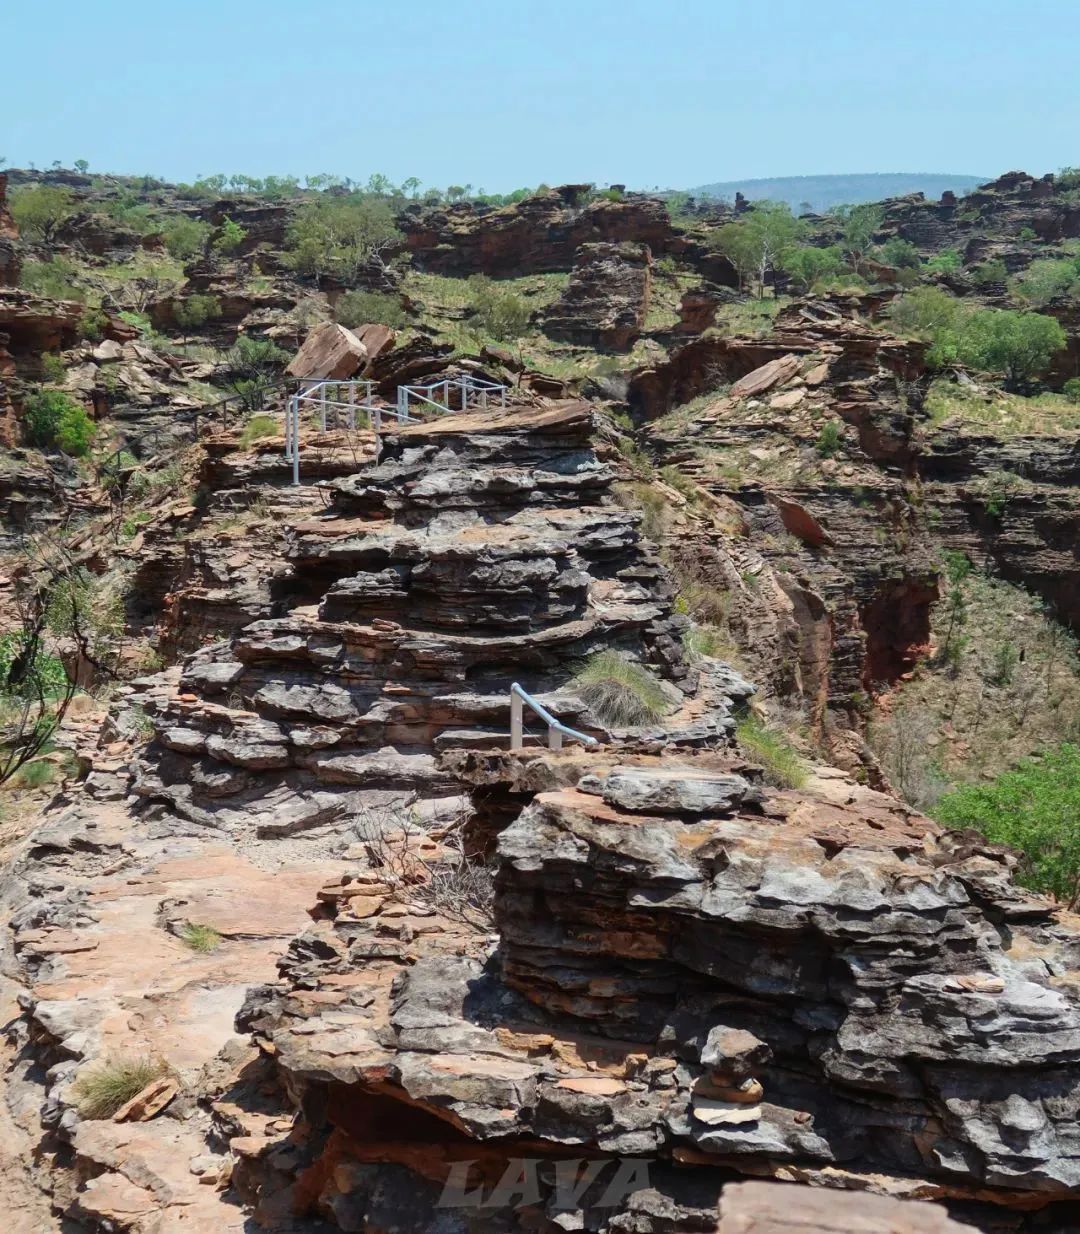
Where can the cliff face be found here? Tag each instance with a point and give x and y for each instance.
(9, 233)
(541, 233)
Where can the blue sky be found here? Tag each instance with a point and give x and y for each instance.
(504, 93)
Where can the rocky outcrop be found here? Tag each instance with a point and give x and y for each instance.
(688, 975)
(479, 549)
(606, 300)
(9, 233)
(537, 235)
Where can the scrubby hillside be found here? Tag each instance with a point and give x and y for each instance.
(820, 193)
(777, 517)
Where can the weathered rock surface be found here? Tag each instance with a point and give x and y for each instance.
(606, 299)
(541, 233)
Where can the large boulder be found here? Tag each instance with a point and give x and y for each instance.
(330, 352)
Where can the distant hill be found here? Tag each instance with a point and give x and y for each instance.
(822, 192)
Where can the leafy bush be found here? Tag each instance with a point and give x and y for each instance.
(44, 677)
(808, 266)
(619, 692)
(52, 368)
(340, 235)
(829, 439)
(185, 238)
(990, 273)
(230, 236)
(944, 262)
(40, 209)
(501, 314)
(359, 308)
(1020, 344)
(782, 765)
(1071, 389)
(900, 254)
(201, 938)
(255, 358)
(195, 311)
(103, 1089)
(93, 323)
(1043, 281)
(1034, 809)
(54, 419)
(54, 278)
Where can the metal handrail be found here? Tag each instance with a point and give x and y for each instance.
(556, 729)
(476, 388)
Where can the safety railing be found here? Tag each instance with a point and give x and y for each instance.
(336, 399)
(467, 391)
(519, 700)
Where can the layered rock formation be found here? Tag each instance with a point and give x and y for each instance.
(478, 550)
(808, 987)
(9, 233)
(540, 234)
(606, 300)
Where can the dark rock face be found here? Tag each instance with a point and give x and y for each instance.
(1011, 502)
(606, 299)
(9, 233)
(538, 235)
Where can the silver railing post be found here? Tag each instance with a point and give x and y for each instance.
(322, 406)
(296, 440)
(554, 739)
(516, 720)
(352, 405)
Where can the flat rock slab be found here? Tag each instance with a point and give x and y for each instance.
(669, 790)
(779, 1208)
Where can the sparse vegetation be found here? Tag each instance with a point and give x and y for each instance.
(258, 428)
(201, 938)
(829, 439)
(358, 308)
(770, 747)
(102, 1089)
(621, 693)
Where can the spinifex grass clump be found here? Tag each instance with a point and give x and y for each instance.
(620, 692)
(202, 938)
(103, 1089)
(783, 766)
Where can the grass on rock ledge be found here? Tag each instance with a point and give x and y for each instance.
(769, 747)
(619, 692)
(102, 1090)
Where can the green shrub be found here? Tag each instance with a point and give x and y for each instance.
(990, 273)
(102, 1090)
(782, 765)
(55, 279)
(195, 311)
(1020, 344)
(502, 315)
(1034, 809)
(185, 238)
(702, 641)
(619, 692)
(44, 677)
(230, 236)
(900, 254)
(1027, 233)
(40, 209)
(1071, 389)
(944, 262)
(359, 308)
(829, 439)
(201, 938)
(258, 428)
(93, 323)
(52, 368)
(54, 419)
